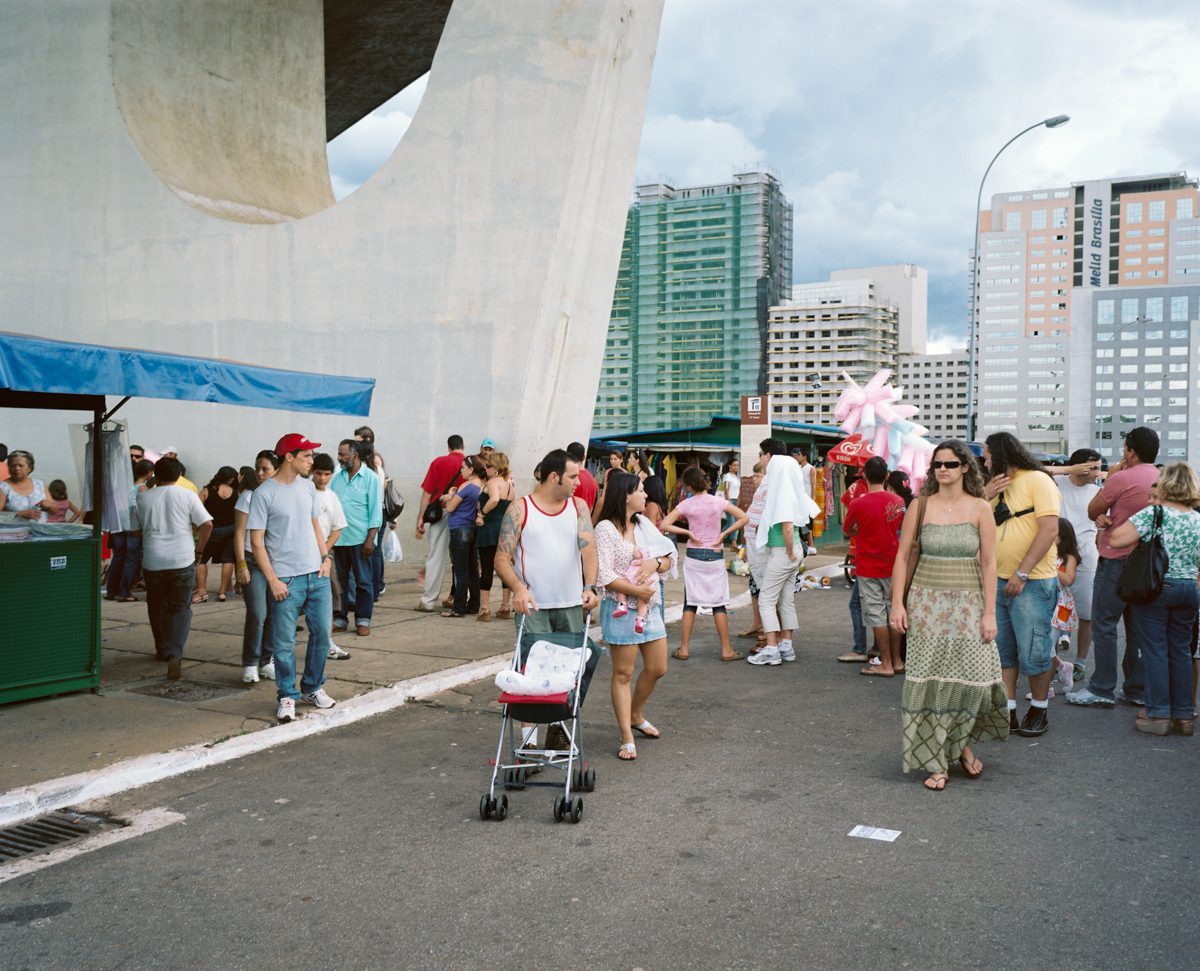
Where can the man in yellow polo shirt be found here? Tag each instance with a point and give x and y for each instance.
(1026, 504)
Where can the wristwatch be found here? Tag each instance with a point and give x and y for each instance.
(1023, 577)
(591, 588)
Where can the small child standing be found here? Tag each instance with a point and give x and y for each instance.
(643, 606)
(1065, 620)
(58, 505)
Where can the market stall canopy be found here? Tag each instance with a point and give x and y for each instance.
(37, 365)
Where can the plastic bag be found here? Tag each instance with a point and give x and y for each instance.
(392, 551)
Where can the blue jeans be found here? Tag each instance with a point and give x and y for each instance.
(256, 632)
(1107, 609)
(1164, 630)
(1023, 633)
(169, 604)
(860, 629)
(311, 594)
(465, 561)
(350, 562)
(122, 568)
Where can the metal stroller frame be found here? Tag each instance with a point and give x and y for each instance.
(560, 710)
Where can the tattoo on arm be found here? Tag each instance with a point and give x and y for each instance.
(510, 532)
(586, 532)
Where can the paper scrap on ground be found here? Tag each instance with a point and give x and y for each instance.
(875, 833)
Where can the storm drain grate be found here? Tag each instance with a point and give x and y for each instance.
(49, 832)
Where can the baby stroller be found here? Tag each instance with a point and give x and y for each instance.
(561, 709)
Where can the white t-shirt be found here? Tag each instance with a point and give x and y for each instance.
(243, 505)
(733, 486)
(166, 515)
(1075, 499)
(332, 515)
(806, 476)
(285, 513)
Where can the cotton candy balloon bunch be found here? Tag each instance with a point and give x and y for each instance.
(874, 412)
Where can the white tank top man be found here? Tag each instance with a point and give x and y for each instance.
(547, 551)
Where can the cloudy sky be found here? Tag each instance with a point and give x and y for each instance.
(879, 116)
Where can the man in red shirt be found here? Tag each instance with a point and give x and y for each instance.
(875, 520)
(443, 474)
(588, 487)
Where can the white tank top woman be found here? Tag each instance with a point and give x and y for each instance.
(548, 560)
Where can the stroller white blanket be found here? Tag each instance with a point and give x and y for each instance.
(550, 669)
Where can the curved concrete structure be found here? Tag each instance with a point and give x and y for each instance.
(472, 275)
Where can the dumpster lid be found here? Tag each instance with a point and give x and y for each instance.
(39, 365)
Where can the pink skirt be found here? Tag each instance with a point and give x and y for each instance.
(705, 583)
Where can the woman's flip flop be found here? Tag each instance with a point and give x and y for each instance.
(646, 730)
(627, 752)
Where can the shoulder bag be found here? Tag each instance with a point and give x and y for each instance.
(1145, 567)
(435, 510)
(393, 502)
(914, 551)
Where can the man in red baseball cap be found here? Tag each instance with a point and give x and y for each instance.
(289, 548)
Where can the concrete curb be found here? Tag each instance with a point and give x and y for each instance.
(29, 801)
(26, 802)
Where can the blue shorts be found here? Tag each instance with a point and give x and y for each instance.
(619, 630)
(1024, 636)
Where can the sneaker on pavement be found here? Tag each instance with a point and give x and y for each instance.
(768, 655)
(250, 674)
(174, 668)
(1080, 671)
(1131, 699)
(787, 653)
(337, 654)
(1013, 724)
(341, 623)
(268, 670)
(319, 698)
(1085, 697)
(286, 711)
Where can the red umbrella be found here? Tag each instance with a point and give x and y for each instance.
(854, 450)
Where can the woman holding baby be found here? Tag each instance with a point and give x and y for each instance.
(631, 554)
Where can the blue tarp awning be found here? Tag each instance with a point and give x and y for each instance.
(39, 365)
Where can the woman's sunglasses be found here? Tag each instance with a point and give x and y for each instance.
(945, 465)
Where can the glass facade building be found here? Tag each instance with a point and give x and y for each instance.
(699, 269)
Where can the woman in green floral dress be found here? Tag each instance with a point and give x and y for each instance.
(953, 693)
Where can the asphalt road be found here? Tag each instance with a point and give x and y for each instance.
(724, 846)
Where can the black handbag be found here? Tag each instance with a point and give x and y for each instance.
(1145, 568)
(393, 502)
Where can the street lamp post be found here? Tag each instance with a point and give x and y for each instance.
(972, 325)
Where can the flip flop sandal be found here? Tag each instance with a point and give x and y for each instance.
(967, 766)
(679, 657)
(853, 658)
(735, 656)
(872, 673)
(627, 752)
(200, 600)
(450, 613)
(938, 783)
(645, 728)
(220, 598)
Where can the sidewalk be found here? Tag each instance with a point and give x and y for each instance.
(139, 713)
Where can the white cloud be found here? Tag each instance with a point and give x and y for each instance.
(943, 344)
(358, 152)
(694, 151)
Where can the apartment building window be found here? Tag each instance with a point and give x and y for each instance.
(1038, 219)
(1012, 222)
(1154, 308)
(1183, 208)
(1133, 234)
(1131, 275)
(1129, 310)
(1158, 210)
(1133, 212)
(1133, 261)
(1060, 218)
(1133, 248)
(1104, 311)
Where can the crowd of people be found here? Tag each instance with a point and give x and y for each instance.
(990, 573)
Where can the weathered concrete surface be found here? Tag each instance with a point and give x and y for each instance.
(472, 275)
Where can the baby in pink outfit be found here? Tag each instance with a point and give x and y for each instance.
(643, 606)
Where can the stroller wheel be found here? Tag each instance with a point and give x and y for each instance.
(486, 805)
(577, 809)
(502, 807)
(560, 808)
(589, 780)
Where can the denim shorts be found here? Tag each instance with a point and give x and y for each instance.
(619, 630)
(1023, 633)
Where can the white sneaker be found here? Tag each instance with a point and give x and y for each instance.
(268, 670)
(286, 710)
(318, 698)
(768, 655)
(337, 654)
(786, 653)
(250, 674)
